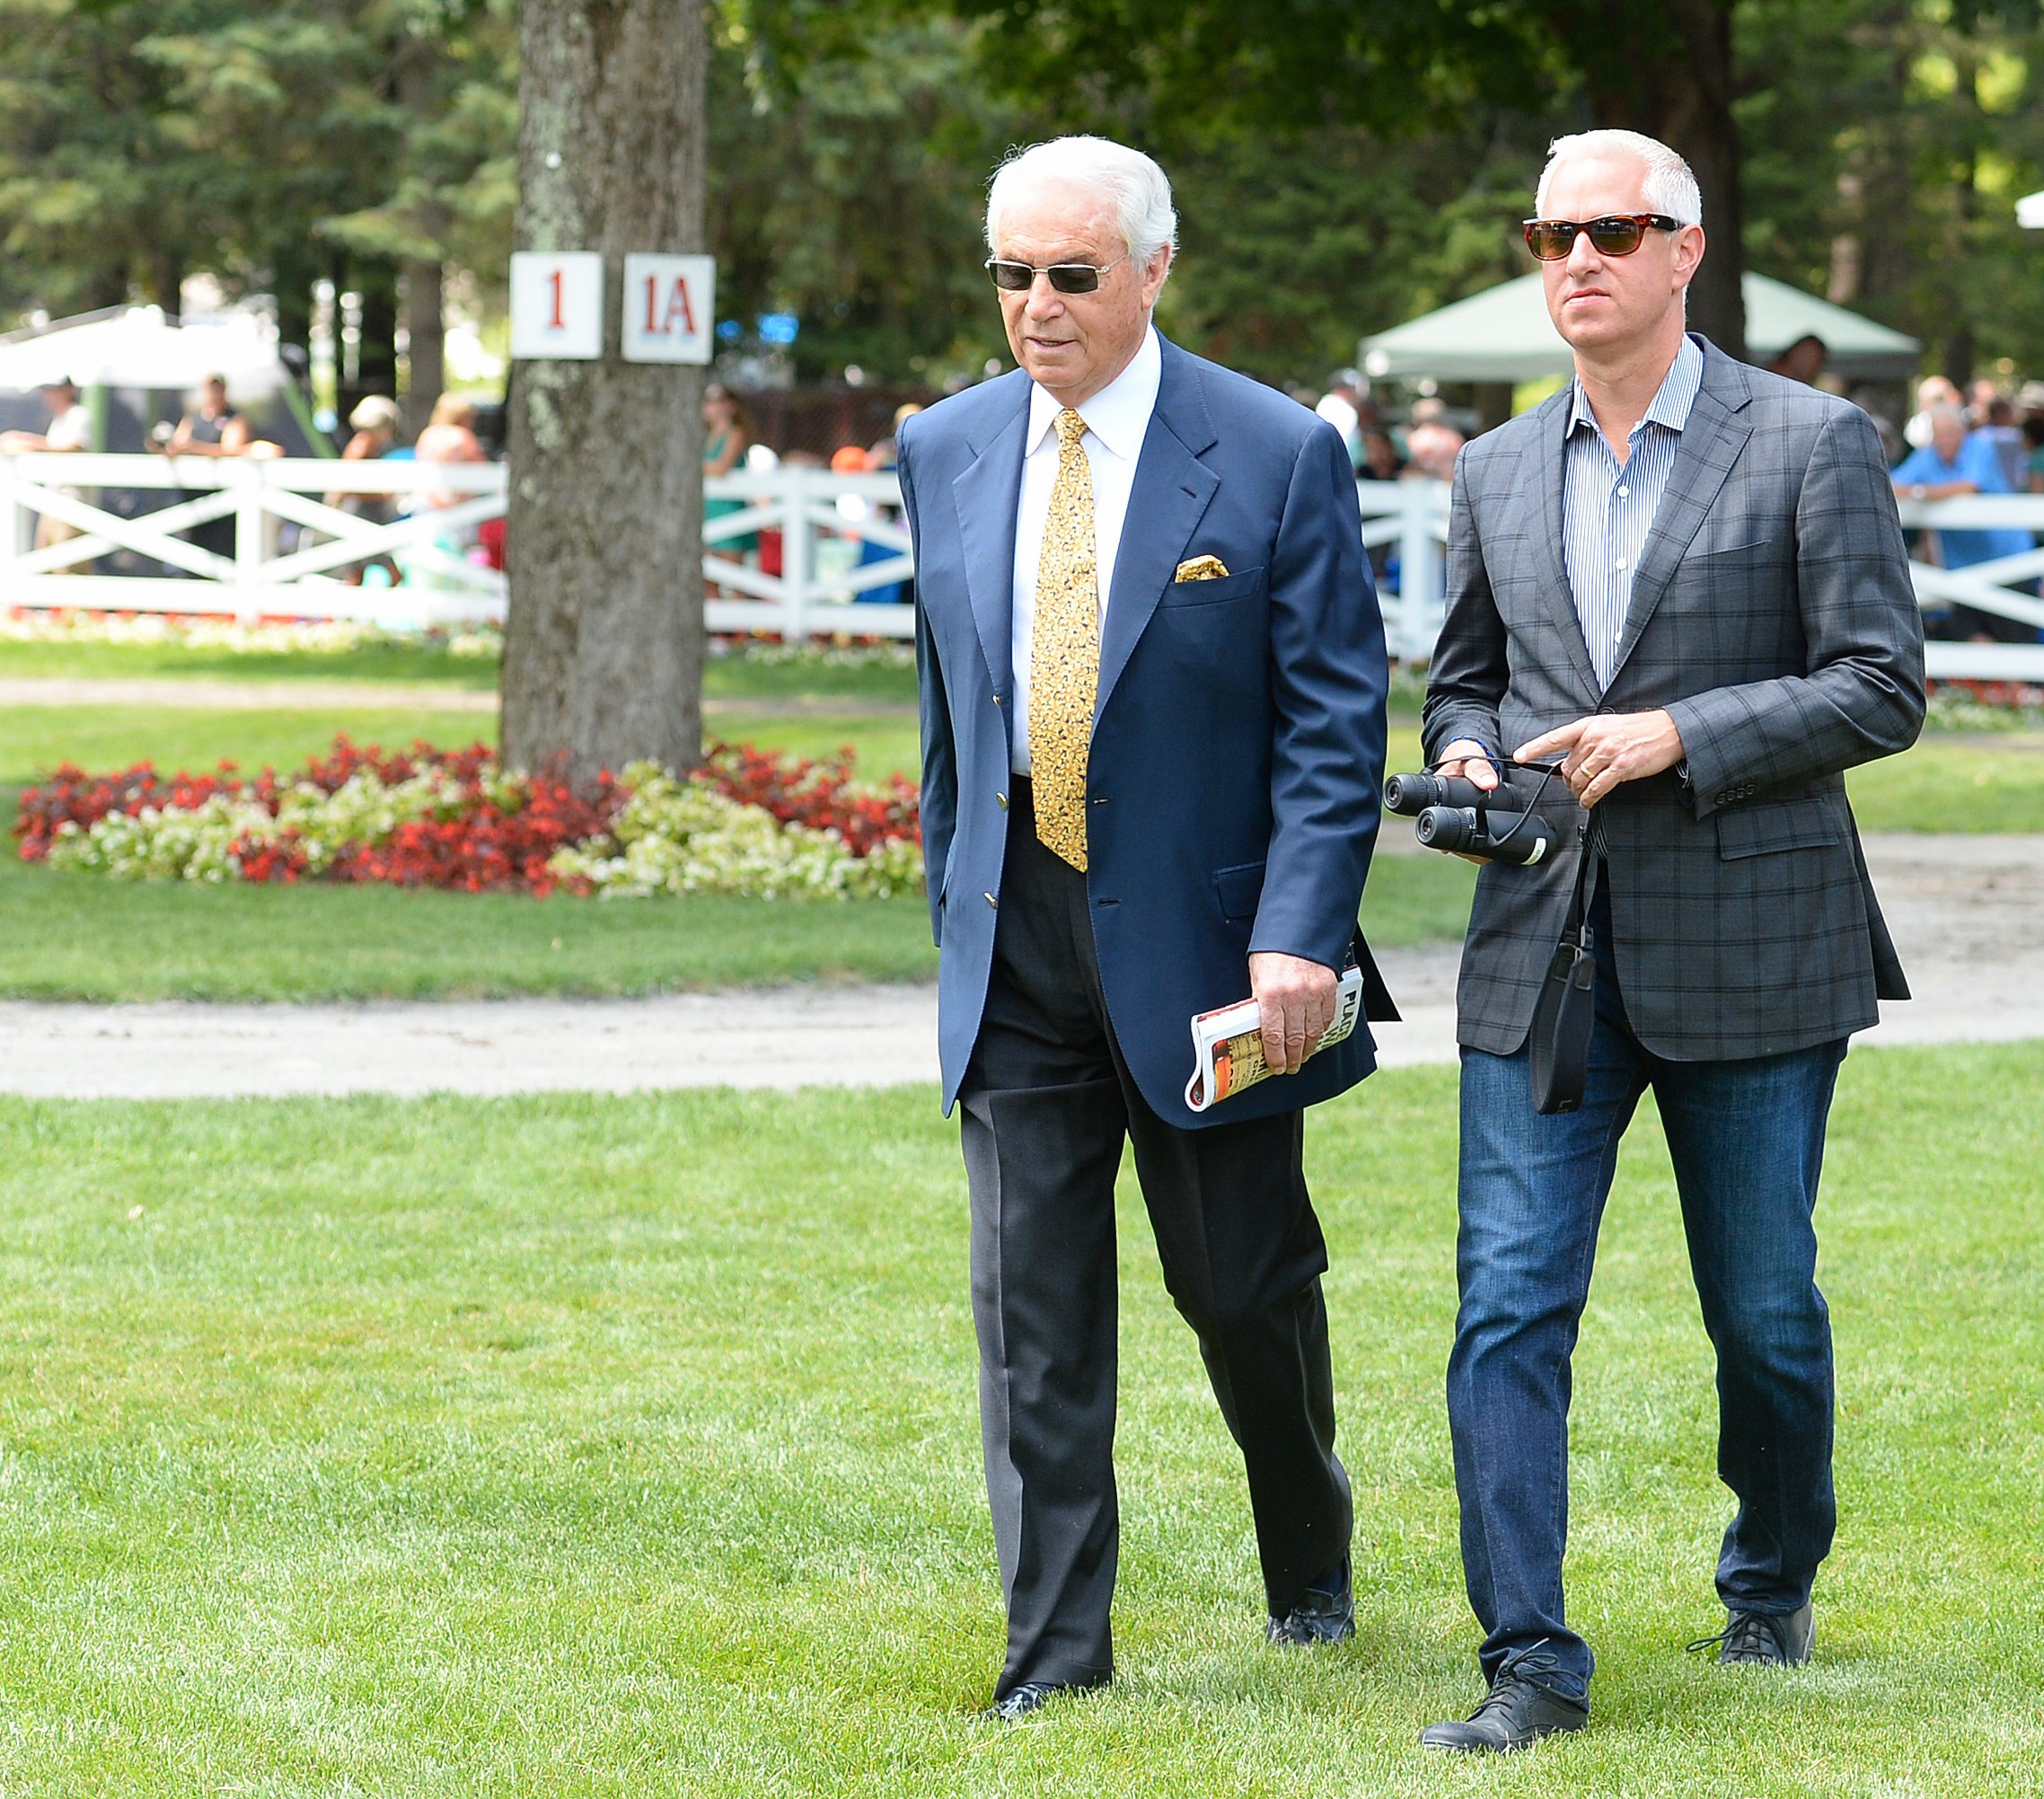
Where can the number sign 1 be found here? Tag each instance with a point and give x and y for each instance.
(557, 304)
(670, 308)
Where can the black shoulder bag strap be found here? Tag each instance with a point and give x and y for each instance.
(1567, 1005)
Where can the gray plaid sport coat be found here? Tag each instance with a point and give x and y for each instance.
(1772, 615)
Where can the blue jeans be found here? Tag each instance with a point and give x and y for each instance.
(1747, 1138)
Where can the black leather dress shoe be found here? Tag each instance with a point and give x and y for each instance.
(1325, 1613)
(1763, 1639)
(1031, 1695)
(1516, 1713)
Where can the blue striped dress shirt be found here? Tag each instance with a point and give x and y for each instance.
(1608, 507)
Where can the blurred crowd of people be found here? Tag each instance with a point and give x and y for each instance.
(213, 427)
(1423, 443)
(1987, 440)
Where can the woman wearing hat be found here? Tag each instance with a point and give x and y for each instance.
(374, 424)
(69, 431)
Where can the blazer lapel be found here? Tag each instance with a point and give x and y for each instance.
(1716, 432)
(1552, 463)
(987, 496)
(1173, 489)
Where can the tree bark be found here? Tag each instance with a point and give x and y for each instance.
(602, 661)
(1667, 71)
(426, 338)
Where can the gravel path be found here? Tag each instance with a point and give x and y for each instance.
(1968, 914)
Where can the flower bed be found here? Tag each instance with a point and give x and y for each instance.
(749, 822)
(1986, 706)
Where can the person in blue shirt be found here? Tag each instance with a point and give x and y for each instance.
(1950, 464)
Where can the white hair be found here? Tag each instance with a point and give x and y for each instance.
(1128, 181)
(1670, 185)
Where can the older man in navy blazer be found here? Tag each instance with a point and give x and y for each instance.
(1153, 683)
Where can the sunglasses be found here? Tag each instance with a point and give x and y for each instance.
(1551, 239)
(1067, 277)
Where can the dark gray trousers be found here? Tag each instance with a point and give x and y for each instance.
(1048, 1103)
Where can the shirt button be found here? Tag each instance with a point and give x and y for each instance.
(1620, 565)
(1624, 491)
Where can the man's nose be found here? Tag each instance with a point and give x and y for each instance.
(1044, 299)
(1584, 258)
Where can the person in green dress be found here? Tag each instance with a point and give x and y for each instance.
(726, 436)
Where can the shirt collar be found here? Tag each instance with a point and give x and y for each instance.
(1119, 414)
(1671, 405)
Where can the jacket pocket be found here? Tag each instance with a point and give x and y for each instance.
(1179, 593)
(1238, 889)
(1766, 826)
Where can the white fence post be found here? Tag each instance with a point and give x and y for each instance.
(12, 511)
(1420, 576)
(797, 559)
(248, 541)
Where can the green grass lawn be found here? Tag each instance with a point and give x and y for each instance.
(392, 662)
(735, 677)
(34, 739)
(64, 937)
(627, 1446)
(1972, 783)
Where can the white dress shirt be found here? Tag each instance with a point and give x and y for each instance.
(1117, 419)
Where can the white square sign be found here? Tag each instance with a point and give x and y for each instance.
(670, 308)
(557, 304)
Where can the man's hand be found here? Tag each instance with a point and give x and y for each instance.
(1471, 761)
(1608, 748)
(1298, 1002)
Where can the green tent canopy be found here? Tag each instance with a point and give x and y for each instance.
(1505, 335)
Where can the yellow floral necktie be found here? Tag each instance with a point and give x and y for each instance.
(1064, 652)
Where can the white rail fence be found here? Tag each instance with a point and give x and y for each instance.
(801, 552)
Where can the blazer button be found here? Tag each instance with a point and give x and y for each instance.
(1000, 799)
(997, 699)
(992, 901)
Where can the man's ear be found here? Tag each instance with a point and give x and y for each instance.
(1153, 276)
(1689, 246)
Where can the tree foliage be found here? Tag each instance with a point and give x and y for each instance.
(1339, 168)
(143, 139)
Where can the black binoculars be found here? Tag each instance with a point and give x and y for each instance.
(1453, 813)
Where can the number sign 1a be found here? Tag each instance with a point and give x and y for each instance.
(670, 308)
(557, 304)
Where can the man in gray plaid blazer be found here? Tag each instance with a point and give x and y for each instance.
(1684, 577)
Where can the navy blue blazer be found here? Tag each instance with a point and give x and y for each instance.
(1239, 733)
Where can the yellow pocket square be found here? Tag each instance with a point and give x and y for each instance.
(1202, 568)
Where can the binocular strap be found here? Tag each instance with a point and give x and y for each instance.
(1566, 1007)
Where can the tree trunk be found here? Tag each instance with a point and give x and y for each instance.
(426, 337)
(1667, 71)
(602, 661)
(418, 64)
(166, 280)
(377, 283)
(292, 280)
